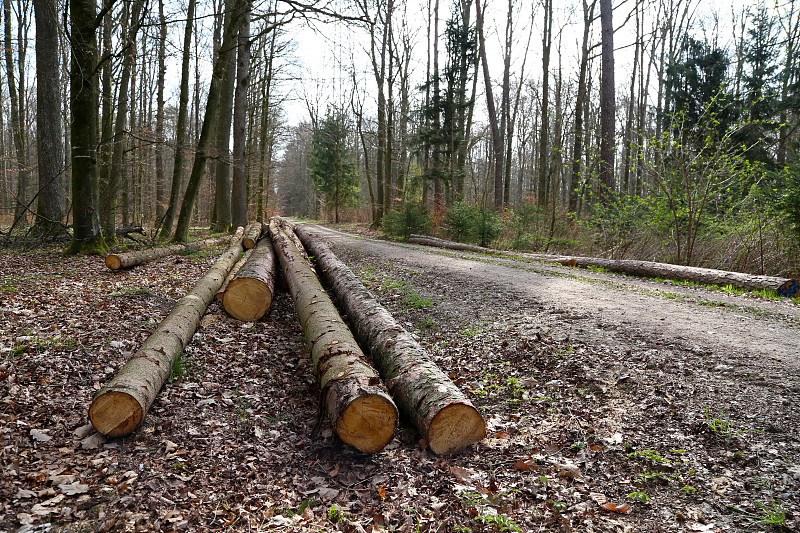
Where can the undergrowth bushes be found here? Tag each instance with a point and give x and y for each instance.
(757, 235)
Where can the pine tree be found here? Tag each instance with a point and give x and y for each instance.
(331, 163)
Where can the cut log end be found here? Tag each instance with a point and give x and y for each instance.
(368, 423)
(113, 261)
(247, 299)
(115, 413)
(454, 428)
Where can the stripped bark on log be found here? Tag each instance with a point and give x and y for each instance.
(352, 394)
(119, 407)
(709, 276)
(249, 294)
(137, 257)
(252, 235)
(443, 415)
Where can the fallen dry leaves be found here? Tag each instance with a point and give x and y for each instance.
(232, 444)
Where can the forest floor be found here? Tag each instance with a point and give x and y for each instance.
(613, 404)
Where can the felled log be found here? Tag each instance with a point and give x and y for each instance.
(249, 294)
(450, 245)
(137, 257)
(353, 396)
(425, 395)
(119, 407)
(252, 235)
(709, 276)
(234, 270)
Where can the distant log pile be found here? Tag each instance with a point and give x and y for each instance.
(709, 276)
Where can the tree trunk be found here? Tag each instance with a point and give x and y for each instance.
(607, 104)
(544, 132)
(249, 294)
(137, 257)
(209, 122)
(443, 415)
(180, 133)
(87, 237)
(222, 172)
(580, 101)
(50, 212)
(356, 402)
(119, 407)
(239, 181)
(109, 195)
(161, 207)
(497, 142)
(17, 119)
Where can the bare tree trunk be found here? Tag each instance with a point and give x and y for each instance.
(112, 187)
(791, 27)
(628, 146)
(265, 164)
(544, 131)
(607, 104)
(436, 152)
(239, 184)
(221, 69)
(180, 134)
(50, 150)
(87, 237)
(497, 142)
(222, 194)
(17, 120)
(161, 199)
(580, 101)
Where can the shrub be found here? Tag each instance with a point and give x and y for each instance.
(412, 217)
(467, 222)
(459, 221)
(488, 226)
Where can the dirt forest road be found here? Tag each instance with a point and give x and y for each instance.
(734, 333)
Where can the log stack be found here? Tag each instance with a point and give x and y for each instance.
(355, 400)
(445, 418)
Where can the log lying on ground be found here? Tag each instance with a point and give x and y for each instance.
(242, 260)
(443, 415)
(119, 407)
(137, 257)
(450, 245)
(352, 394)
(709, 276)
(249, 294)
(252, 235)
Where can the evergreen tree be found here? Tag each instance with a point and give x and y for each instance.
(697, 101)
(760, 82)
(331, 163)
